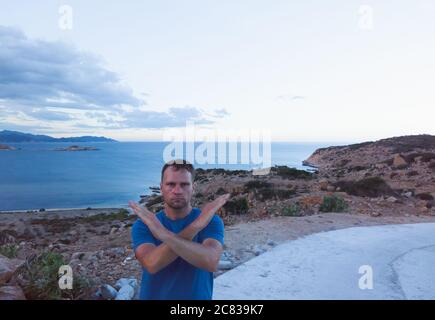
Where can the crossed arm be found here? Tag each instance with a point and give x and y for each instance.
(203, 255)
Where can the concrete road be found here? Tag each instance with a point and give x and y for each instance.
(381, 262)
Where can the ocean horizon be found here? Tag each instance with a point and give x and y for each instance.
(36, 176)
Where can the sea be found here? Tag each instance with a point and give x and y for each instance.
(38, 176)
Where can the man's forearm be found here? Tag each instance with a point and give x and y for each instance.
(163, 255)
(194, 253)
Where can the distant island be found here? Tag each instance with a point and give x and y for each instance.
(77, 148)
(5, 147)
(16, 137)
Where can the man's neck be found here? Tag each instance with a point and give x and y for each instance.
(175, 214)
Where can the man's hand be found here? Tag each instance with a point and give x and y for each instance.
(208, 211)
(149, 218)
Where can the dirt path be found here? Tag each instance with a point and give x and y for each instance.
(331, 265)
(243, 241)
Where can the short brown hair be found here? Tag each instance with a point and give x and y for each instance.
(179, 164)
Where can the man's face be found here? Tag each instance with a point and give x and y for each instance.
(176, 188)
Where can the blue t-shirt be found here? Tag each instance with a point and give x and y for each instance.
(179, 280)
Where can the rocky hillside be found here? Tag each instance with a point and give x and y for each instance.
(15, 136)
(403, 167)
(371, 153)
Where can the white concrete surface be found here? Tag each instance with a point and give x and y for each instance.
(326, 266)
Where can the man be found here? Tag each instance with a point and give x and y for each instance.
(179, 247)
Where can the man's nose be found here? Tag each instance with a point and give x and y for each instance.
(177, 189)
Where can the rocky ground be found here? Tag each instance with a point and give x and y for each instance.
(383, 182)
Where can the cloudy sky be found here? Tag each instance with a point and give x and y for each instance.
(305, 70)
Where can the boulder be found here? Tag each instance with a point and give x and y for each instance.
(392, 199)
(125, 293)
(257, 250)
(6, 238)
(225, 265)
(380, 166)
(399, 161)
(108, 292)
(330, 188)
(271, 243)
(117, 251)
(407, 194)
(323, 184)
(11, 293)
(78, 255)
(8, 267)
(124, 282)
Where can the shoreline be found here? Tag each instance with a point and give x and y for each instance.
(8, 217)
(61, 209)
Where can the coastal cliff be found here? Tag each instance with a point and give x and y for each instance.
(371, 152)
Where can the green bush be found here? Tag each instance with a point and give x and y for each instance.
(237, 205)
(257, 184)
(425, 156)
(412, 173)
(42, 279)
(265, 190)
(199, 172)
(220, 191)
(291, 173)
(333, 204)
(294, 210)
(424, 196)
(367, 187)
(9, 250)
(279, 194)
(122, 214)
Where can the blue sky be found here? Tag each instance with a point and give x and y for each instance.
(305, 70)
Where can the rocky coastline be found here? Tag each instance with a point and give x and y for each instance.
(382, 182)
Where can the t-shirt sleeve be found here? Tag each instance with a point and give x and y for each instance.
(214, 230)
(140, 234)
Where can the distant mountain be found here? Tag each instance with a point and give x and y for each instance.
(15, 136)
